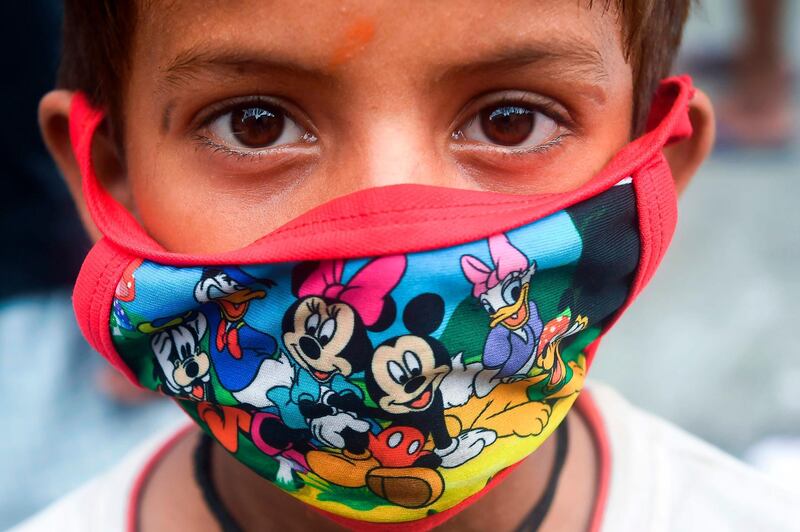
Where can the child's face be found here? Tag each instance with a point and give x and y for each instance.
(237, 120)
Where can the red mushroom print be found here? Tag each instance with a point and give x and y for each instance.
(548, 353)
(126, 287)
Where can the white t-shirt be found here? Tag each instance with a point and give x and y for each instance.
(660, 479)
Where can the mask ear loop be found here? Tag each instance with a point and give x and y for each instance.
(656, 199)
(663, 103)
(112, 219)
(101, 271)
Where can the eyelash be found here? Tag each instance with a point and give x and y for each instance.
(510, 153)
(547, 108)
(216, 111)
(216, 147)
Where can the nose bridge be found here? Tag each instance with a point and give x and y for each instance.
(397, 149)
(392, 138)
(390, 132)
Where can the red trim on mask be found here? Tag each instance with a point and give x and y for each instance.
(424, 524)
(656, 201)
(93, 296)
(585, 405)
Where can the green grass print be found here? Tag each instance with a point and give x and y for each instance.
(361, 499)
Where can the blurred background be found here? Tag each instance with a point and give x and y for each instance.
(712, 345)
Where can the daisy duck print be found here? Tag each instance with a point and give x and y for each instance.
(517, 339)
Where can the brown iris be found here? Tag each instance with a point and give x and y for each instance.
(257, 127)
(508, 125)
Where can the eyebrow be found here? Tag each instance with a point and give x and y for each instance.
(576, 60)
(186, 65)
(573, 59)
(577, 54)
(207, 59)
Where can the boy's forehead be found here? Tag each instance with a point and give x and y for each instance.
(323, 39)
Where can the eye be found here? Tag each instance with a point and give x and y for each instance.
(327, 331)
(312, 322)
(186, 351)
(487, 306)
(411, 360)
(511, 291)
(396, 372)
(256, 126)
(510, 124)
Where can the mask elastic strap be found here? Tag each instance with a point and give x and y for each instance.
(112, 219)
(656, 198)
(679, 126)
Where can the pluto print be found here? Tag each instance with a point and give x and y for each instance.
(386, 388)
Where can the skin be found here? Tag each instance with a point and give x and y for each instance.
(383, 93)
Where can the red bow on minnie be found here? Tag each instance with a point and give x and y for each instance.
(366, 291)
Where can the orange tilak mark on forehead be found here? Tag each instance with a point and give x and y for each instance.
(360, 32)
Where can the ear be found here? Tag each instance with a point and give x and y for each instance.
(388, 314)
(686, 156)
(300, 273)
(54, 115)
(424, 314)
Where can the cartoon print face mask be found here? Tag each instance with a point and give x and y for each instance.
(391, 354)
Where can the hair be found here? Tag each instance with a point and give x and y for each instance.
(652, 31)
(98, 37)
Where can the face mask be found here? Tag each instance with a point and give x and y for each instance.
(390, 355)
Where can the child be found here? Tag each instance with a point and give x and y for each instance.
(455, 211)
